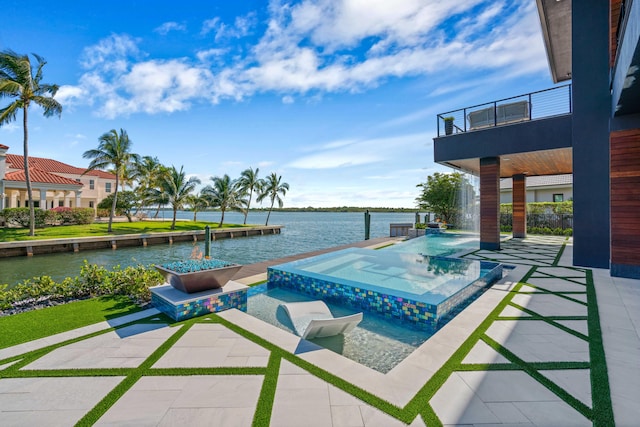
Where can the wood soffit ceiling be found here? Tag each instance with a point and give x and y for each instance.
(534, 163)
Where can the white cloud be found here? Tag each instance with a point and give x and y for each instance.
(10, 127)
(358, 152)
(316, 47)
(165, 28)
(208, 25)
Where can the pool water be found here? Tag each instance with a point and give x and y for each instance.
(375, 342)
(444, 244)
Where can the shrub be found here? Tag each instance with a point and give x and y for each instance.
(64, 215)
(83, 215)
(103, 213)
(20, 217)
(93, 281)
(421, 226)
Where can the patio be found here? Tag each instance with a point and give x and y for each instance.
(550, 345)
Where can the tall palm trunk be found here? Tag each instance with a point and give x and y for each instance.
(246, 212)
(113, 206)
(269, 214)
(221, 219)
(32, 209)
(173, 223)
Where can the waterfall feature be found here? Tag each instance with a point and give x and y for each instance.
(469, 203)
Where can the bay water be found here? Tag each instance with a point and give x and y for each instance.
(302, 232)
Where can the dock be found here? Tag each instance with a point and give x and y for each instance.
(78, 244)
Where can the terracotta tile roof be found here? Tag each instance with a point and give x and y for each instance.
(41, 177)
(4, 147)
(15, 161)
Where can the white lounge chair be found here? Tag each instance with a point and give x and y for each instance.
(313, 319)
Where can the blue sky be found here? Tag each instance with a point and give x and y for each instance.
(339, 97)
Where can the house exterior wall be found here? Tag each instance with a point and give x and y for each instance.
(539, 195)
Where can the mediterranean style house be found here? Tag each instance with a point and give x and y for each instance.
(53, 183)
(588, 126)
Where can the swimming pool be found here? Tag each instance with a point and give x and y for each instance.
(443, 244)
(406, 287)
(375, 342)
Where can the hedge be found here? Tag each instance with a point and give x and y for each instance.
(93, 281)
(56, 216)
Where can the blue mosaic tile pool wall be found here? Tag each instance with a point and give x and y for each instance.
(399, 309)
(418, 314)
(201, 306)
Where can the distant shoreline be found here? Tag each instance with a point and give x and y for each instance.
(333, 209)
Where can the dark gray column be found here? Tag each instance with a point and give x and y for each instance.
(590, 129)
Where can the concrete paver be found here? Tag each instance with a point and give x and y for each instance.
(50, 401)
(211, 345)
(194, 400)
(125, 348)
(486, 398)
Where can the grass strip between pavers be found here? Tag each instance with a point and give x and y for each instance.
(419, 405)
(421, 401)
(600, 390)
(262, 415)
(112, 397)
(533, 373)
(28, 357)
(536, 316)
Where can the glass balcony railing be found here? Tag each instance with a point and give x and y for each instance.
(531, 106)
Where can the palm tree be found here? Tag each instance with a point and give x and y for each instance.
(248, 183)
(17, 80)
(273, 188)
(224, 194)
(198, 203)
(175, 189)
(148, 173)
(114, 150)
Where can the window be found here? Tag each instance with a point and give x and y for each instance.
(107, 187)
(78, 180)
(90, 204)
(92, 184)
(61, 203)
(558, 198)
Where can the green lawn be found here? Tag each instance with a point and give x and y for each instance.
(65, 231)
(31, 325)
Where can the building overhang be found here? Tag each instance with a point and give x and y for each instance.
(536, 163)
(555, 19)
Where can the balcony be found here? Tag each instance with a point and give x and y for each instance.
(522, 108)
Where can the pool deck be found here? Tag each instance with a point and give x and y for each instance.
(549, 345)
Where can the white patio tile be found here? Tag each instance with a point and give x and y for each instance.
(211, 345)
(557, 285)
(166, 400)
(552, 414)
(482, 353)
(576, 381)
(537, 341)
(456, 403)
(577, 325)
(50, 401)
(125, 348)
(550, 305)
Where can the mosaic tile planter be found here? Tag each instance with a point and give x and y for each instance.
(180, 306)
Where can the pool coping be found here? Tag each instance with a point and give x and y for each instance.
(401, 384)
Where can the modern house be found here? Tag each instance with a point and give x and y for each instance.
(548, 188)
(589, 128)
(53, 183)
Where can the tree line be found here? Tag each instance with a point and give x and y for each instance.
(154, 184)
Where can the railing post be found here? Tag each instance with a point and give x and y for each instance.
(495, 114)
(570, 100)
(530, 108)
(464, 119)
